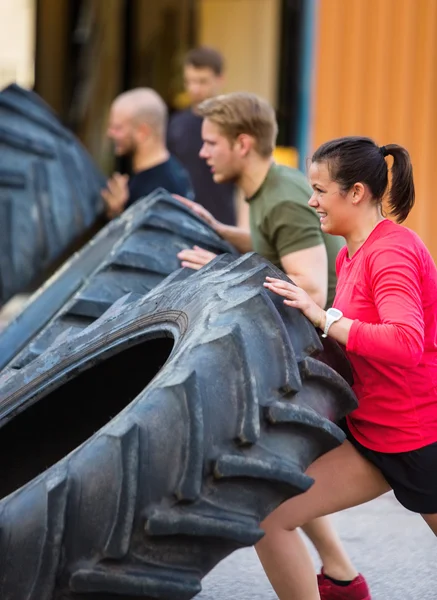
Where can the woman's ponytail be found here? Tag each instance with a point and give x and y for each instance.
(402, 195)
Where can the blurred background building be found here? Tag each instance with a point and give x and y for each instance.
(330, 67)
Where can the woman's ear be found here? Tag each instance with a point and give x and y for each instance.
(358, 192)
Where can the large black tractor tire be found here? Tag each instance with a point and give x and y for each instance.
(133, 253)
(138, 454)
(49, 190)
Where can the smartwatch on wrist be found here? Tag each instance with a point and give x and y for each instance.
(332, 315)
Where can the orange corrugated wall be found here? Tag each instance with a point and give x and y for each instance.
(376, 75)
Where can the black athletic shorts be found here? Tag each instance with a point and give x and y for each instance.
(412, 475)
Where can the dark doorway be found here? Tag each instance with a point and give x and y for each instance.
(292, 14)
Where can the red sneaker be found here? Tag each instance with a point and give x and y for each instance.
(356, 590)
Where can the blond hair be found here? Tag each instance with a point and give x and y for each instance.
(243, 113)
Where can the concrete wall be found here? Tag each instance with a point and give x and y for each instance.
(17, 39)
(247, 33)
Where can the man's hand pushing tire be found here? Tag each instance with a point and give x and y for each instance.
(200, 211)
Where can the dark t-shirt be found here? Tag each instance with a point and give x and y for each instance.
(184, 140)
(169, 175)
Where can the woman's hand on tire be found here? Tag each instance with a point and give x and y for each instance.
(297, 298)
(195, 258)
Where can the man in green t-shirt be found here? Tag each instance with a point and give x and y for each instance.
(239, 133)
(283, 228)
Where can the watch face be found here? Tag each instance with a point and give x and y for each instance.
(337, 314)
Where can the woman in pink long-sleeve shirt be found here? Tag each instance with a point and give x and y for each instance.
(385, 315)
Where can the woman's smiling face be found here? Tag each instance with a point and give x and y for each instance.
(334, 206)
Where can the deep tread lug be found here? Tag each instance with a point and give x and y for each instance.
(25, 143)
(12, 179)
(118, 543)
(241, 530)
(44, 584)
(137, 581)
(191, 480)
(298, 415)
(276, 471)
(311, 368)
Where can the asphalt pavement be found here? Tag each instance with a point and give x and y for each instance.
(393, 548)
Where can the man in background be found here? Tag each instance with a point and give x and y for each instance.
(203, 79)
(137, 127)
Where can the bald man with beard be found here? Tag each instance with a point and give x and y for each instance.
(137, 127)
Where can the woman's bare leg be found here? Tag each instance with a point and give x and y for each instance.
(431, 521)
(336, 562)
(343, 478)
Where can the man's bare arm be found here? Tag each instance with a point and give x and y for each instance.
(308, 269)
(242, 210)
(237, 236)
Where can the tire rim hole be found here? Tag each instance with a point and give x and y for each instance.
(66, 417)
